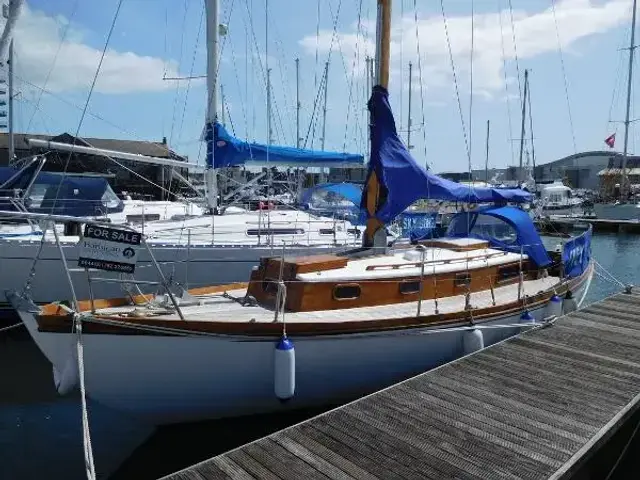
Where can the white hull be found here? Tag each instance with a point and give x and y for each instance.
(166, 379)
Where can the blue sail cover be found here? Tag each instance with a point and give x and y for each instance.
(223, 150)
(403, 181)
(507, 228)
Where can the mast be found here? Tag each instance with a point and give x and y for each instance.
(409, 109)
(298, 103)
(12, 148)
(223, 119)
(486, 158)
(371, 236)
(211, 177)
(269, 128)
(524, 116)
(632, 47)
(324, 105)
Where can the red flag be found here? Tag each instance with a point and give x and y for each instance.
(610, 140)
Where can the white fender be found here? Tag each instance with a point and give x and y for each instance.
(284, 369)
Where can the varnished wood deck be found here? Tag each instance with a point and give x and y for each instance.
(535, 406)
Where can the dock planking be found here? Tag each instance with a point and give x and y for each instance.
(535, 406)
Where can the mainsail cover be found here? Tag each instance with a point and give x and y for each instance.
(224, 150)
(403, 181)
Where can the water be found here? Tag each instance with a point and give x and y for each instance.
(40, 434)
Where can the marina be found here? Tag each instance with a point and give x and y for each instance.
(317, 305)
(539, 405)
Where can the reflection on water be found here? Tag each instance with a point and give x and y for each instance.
(43, 438)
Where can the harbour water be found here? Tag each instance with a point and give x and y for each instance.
(41, 434)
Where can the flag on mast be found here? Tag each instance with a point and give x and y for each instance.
(610, 140)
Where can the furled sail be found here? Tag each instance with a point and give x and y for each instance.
(224, 150)
(403, 181)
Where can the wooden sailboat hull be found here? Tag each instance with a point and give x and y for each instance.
(168, 378)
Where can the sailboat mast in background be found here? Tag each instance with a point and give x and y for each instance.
(632, 47)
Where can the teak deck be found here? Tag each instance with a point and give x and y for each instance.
(534, 406)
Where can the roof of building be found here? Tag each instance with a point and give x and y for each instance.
(152, 149)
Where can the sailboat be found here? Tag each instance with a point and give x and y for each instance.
(322, 329)
(192, 250)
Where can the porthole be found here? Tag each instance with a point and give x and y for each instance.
(349, 291)
(409, 286)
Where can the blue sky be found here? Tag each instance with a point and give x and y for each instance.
(58, 45)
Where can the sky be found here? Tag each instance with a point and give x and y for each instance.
(468, 61)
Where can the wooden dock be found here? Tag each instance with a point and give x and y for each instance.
(536, 406)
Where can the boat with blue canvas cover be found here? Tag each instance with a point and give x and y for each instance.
(323, 329)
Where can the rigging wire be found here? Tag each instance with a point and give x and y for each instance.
(189, 78)
(351, 81)
(471, 87)
(506, 86)
(564, 76)
(421, 82)
(334, 38)
(53, 63)
(515, 48)
(177, 90)
(455, 80)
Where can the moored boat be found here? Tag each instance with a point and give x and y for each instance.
(322, 329)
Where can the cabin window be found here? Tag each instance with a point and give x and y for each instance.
(349, 291)
(409, 286)
(327, 231)
(275, 231)
(462, 280)
(508, 273)
(147, 217)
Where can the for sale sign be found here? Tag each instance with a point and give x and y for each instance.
(110, 249)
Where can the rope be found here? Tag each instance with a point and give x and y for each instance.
(606, 274)
(16, 325)
(86, 434)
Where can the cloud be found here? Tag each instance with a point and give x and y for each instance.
(38, 37)
(535, 34)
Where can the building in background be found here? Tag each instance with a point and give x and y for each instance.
(126, 175)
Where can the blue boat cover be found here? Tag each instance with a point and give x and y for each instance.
(403, 181)
(60, 194)
(506, 228)
(576, 254)
(223, 150)
(349, 191)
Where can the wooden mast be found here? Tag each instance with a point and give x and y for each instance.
(383, 33)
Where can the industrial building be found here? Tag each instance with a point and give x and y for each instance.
(133, 178)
